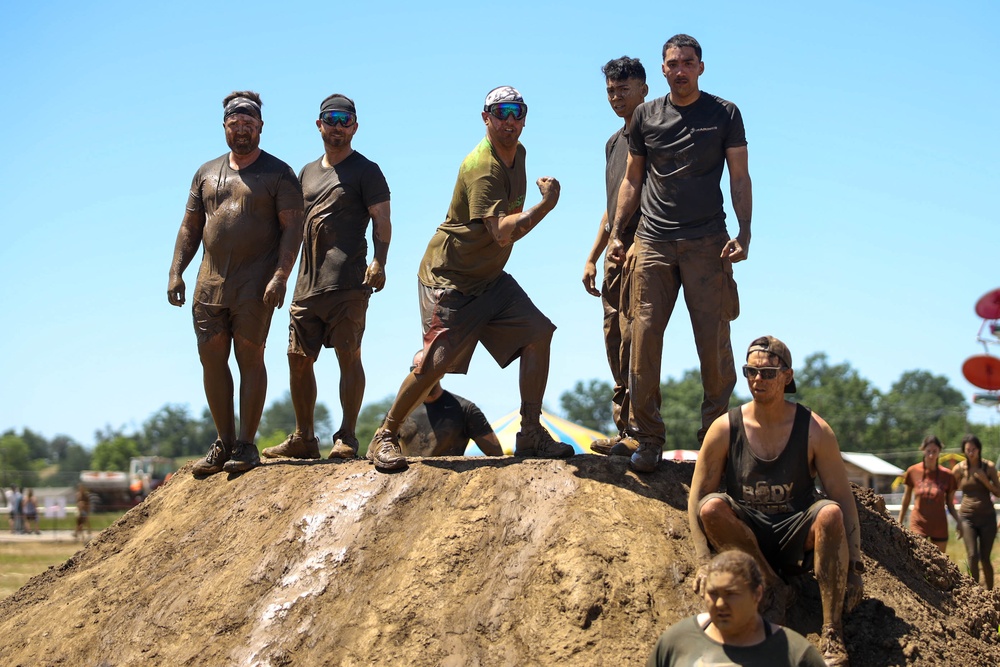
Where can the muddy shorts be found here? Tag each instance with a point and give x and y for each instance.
(502, 318)
(781, 537)
(250, 320)
(335, 318)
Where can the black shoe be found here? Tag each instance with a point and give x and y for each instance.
(244, 457)
(213, 462)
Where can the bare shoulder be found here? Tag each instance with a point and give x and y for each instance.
(820, 432)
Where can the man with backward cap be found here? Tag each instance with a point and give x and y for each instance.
(343, 192)
(465, 295)
(768, 453)
(245, 209)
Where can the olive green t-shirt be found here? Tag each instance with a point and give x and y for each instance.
(462, 254)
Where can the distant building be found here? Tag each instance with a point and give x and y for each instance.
(870, 471)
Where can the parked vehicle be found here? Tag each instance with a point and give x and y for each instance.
(116, 490)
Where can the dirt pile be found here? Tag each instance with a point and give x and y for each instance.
(453, 562)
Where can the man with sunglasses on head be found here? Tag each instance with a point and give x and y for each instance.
(465, 295)
(343, 192)
(626, 84)
(766, 455)
(678, 146)
(245, 209)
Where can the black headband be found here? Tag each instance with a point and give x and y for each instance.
(242, 105)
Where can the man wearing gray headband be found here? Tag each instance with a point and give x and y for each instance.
(343, 191)
(245, 210)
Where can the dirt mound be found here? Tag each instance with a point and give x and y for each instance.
(453, 562)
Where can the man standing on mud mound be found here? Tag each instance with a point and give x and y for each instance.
(343, 191)
(626, 82)
(769, 452)
(444, 423)
(678, 145)
(465, 295)
(245, 208)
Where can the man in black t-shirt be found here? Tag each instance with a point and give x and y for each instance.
(444, 423)
(678, 146)
(343, 191)
(245, 208)
(626, 82)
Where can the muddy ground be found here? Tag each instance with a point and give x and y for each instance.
(454, 562)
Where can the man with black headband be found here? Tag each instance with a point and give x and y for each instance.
(343, 191)
(465, 295)
(245, 210)
(766, 455)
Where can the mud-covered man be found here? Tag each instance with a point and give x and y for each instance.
(626, 85)
(245, 209)
(678, 146)
(767, 455)
(444, 423)
(343, 192)
(465, 295)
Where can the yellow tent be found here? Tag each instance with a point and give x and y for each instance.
(506, 428)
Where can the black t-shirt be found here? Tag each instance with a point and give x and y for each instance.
(442, 428)
(616, 153)
(685, 151)
(337, 200)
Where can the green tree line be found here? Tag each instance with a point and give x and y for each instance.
(889, 424)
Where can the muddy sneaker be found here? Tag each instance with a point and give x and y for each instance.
(625, 446)
(647, 456)
(832, 644)
(294, 447)
(244, 457)
(539, 443)
(384, 451)
(603, 446)
(344, 447)
(217, 456)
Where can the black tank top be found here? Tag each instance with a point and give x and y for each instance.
(778, 486)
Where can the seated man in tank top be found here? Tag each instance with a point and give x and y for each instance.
(766, 455)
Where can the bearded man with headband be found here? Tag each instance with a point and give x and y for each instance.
(245, 210)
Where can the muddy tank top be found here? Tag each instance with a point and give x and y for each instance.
(779, 486)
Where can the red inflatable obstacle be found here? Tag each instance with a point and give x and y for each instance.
(982, 371)
(988, 306)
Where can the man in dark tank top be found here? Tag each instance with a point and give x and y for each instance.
(766, 455)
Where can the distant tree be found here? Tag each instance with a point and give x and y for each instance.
(171, 431)
(59, 446)
(680, 408)
(279, 417)
(847, 401)
(371, 417)
(75, 459)
(589, 405)
(918, 404)
(114, 454)
(16, 466)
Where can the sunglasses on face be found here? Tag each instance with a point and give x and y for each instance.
(766, 373)
(503, 110)
(344, 118)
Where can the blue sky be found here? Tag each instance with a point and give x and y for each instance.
(869, 143)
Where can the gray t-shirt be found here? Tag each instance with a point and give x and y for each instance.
(685, 152)
(685, 644)
(337, 199)
(242, 231)
(443, 427)
(616, 153)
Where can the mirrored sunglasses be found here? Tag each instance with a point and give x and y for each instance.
(344, 118)
(503, 110)
(766, 373)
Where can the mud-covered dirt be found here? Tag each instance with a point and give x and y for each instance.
(454, 562)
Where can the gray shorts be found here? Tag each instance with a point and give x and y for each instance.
(781, 537)
(250, 320)
(502, 318)
(335, 318)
